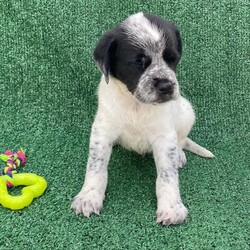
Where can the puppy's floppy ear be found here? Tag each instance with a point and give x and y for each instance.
(179, 41)
(104, 53)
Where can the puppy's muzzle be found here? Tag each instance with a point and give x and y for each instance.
(163, 86)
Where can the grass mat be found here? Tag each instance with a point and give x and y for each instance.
(48, 101)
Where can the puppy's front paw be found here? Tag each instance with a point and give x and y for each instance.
(87, 203)
(170, 215)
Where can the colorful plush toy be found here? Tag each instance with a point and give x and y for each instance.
(35, 185)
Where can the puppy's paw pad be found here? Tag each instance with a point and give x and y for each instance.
(87, 204)
(171, 215)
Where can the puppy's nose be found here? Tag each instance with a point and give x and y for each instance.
(164, 86)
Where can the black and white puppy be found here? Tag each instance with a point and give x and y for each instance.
(140, 108)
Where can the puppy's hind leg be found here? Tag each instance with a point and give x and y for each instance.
(182, 160)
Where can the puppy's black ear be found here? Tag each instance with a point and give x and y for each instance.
(179, 46)
(104, 53)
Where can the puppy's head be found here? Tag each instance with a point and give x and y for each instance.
(143, 53)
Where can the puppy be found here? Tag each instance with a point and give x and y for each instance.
(140, 108)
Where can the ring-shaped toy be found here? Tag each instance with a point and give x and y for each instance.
(35, 186)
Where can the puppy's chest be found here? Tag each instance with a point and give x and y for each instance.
(137, 127)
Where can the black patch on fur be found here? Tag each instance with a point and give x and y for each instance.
(116, 56)
(129, 64)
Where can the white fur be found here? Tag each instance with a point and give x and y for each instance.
(138, 124)
(121, 118)
(141, 30)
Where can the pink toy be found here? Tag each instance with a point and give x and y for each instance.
(13, 160)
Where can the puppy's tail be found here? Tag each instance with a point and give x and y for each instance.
(197, 149)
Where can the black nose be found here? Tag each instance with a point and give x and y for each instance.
(164, 86)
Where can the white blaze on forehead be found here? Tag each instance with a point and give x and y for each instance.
(141, 30)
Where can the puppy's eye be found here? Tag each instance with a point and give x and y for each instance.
(141, 61)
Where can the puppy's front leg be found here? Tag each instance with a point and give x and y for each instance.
(170, 209)
(90, 198)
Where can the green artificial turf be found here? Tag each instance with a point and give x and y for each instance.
(48, 101)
